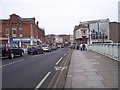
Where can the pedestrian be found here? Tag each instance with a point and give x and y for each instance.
(86, 47)
(77, 47)
(81, 46)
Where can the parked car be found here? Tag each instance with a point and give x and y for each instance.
(46, 48)
(34, 49)
(10, 50)
(54, 47)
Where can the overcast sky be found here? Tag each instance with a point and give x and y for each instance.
(60, 16)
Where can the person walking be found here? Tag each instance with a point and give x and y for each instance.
(81, 46)
(86, 45)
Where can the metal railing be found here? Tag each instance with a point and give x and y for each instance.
(111, 50)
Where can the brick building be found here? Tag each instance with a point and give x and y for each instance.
(22, 31)
(66, 38)
(114, 32)
(50, 39)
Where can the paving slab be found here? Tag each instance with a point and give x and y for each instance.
(91, 70)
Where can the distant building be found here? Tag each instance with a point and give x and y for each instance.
(114, 32)
(50, 39)
(93, 31)
(66, 38)
(58, 39)
(71, 39)
(99, 31)
(81, 33)
(22, 31)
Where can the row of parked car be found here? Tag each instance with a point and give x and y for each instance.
(36, 49)
(11, 50)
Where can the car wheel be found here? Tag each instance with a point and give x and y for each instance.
(28, 53)
(38, 52)
(11, 56)
(21, 54)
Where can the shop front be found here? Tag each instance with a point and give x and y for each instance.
(23, 42)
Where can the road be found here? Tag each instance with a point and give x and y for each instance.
(31, 71)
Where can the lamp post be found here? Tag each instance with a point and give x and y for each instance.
(8, 39)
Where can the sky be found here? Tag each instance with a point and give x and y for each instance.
(60, 16)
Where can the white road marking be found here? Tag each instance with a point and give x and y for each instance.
(41, 82)
(59, 60)
(65, 67)
(57, 68)
(11, 63)
(65, 54)
(35, 55)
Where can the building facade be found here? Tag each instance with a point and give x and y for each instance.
(71, 39)
(99, 30)
(22, 31)
(81, 34)
(66, 38)
(119, 11)
(94, 31)
(114, 32)
(50, 39)
(58, 40)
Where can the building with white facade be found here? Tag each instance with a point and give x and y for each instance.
(71, 39)
(81, 34)
(99, 30)
(58, 39)
(93, 31)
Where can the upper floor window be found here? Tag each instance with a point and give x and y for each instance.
(7, 31)
(84, 33)
(14, 31)
(20, 32)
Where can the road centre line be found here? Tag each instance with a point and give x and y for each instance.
(59, 60)
(41, 82)
(11, 63)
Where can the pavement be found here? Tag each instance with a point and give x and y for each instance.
(91, 70)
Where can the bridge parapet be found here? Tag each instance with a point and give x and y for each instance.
(111, 50)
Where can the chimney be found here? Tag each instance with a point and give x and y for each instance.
(37, 23)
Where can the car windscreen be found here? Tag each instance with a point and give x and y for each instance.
(32, 46)
(44, 46)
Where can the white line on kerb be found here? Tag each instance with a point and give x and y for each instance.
(41, 82)
(11, 63)
(59, 60)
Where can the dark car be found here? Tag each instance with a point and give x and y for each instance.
(34, 49)
(10, 50)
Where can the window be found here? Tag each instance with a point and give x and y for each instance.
(20, 32)
(14, 32)
(84, 32)
(7, 31)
